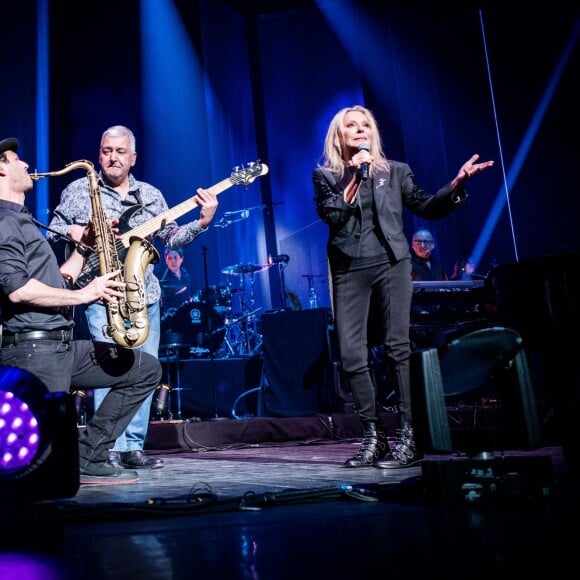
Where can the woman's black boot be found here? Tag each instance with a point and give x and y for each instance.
(373, 445)
(385, 459)
(405, 450)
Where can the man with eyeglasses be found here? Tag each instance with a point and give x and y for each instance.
(425, 314)
(425, 265)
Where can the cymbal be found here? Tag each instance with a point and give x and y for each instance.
(239, 269)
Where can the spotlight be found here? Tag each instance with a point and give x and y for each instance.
(38, 439)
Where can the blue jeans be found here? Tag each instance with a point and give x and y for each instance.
(133, 438)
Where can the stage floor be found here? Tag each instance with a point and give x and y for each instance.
(288, 508)
(288, 511)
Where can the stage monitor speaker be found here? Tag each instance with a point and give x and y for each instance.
(298, 372)
(490, 365)
(429, 410)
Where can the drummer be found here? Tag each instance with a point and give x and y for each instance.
(176, 282)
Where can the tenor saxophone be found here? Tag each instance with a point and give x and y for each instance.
(128, 322)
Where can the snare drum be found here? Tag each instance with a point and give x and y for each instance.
(203, 326)
(219, 297)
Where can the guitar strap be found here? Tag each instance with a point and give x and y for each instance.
(137, 195)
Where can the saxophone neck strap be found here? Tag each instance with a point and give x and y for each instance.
(82, 249)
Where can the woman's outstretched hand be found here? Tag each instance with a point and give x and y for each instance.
(469, 169)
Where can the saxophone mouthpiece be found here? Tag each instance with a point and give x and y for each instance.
(36, 176)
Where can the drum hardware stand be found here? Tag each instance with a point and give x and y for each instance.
(244, 348)
(205, 278)
(231, 351)
(247, 332)
(204, 252)
(161, 410)
(210, 332)
(248, 326)
(281, 262)
(172, 356)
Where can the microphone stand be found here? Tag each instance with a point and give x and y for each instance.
(209, 334)
(232, 217)
(204, 252)
(281, 262)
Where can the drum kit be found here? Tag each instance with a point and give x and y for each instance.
(217, 322)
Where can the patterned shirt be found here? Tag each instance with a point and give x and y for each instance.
(75, 208)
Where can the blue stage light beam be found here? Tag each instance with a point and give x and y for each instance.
(174, 97)
(503, 196)
(42, 105)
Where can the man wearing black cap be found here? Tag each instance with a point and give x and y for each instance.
(36, 303)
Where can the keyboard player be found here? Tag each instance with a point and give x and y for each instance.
(440, 307)
(425, 265)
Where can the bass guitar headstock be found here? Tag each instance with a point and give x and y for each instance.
(246, 174)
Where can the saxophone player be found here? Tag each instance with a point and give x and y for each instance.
(36, 303)
(121, 194)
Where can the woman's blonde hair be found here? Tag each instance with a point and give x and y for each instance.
(332, 156)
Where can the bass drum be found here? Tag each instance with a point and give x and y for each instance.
(202, 325)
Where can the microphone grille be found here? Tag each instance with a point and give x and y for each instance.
(364, 146)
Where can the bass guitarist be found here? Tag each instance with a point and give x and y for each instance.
(127, 202)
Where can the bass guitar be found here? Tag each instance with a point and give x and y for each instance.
(244, 175)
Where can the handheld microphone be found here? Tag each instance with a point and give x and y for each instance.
(364, 168)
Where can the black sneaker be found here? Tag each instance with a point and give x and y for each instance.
(104, 473)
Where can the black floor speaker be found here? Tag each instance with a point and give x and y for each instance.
(477, 396)
(428, 403)
(298, 372)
